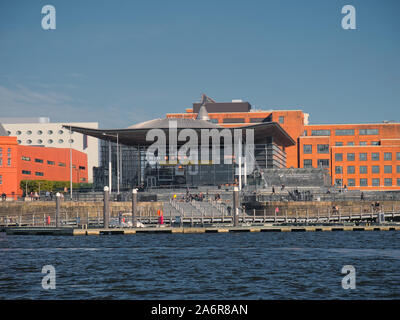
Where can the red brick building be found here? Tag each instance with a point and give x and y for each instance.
(358, 156)
(37, 163)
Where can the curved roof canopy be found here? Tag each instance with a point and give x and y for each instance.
(136, 134)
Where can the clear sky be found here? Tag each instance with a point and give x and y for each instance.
(123, 62)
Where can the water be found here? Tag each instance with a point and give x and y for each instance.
(202, 266)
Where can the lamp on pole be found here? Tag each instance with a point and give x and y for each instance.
(70, 161)
(109, 163)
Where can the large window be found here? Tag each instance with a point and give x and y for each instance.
(398, 182)
(323, 148)
(387, 169)
(338, 156)
(350, 143)
(363, 182)
(363, 169)
(351, 169)
(351, 157)
(363, 156)
(375, 169)
(26, 158)
(307, 163)
(387, 156)
(39, 174)
(388, 182)
(307, 148)
(320, 132)
(375, 143)
(375, 156)
(344, 132)
(39, 160)
(398, 156)
(324, 163)
(338, 143)
(281, 119)
(398, 169)
(351, 182)
(367, 132)
(338, 182)
(51, 162)
(26, 172)
(363, 143)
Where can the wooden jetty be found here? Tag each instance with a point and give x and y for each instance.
(68, 231)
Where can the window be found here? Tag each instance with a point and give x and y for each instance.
(375, 169)
(40, 174)
(368, 132)
(307, 148)
(9, 161)
(26, 172)
(363, 169)
(338, 144)
(323, 148)
(387, 169)
(233, 120)
(351, 157)
(363, 182)
(60, 132)
(25, 158)
(213, 120)
(338, 156)
(83, 179)
(398, 182)
(323, 163)
(50, 131)
(51, 162)
(50, 141)
(388, 182)
(19, 141)
(351, 182)
(320, 132)
(338, 169)
(398, 156)
(350, 143)
(61, 164)
(398, 169)
(1, 179)
(338, 182)
(376, 182)
(18, 133)
(387, 156)
(40, 132)
(307, 163)
(40, 141)
(71, 140)
(60, 141)
(375, 156)
(344, 132)
(375, 143)
(39, 160)
(81, 168)
(363, 143)
(281, 119)
(351, 169)
(29, 132)
(256, 120)
(363, 157)
(29, 141)
(1, 162)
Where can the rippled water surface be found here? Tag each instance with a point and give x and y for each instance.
(202, 266)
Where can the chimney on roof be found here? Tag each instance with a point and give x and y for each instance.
(203, 114)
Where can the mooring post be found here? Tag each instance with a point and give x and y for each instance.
(264, 215)
(285, 215)
(134, 207)
(106, 208)
(235, 206)
(58, 200)
(254, 215)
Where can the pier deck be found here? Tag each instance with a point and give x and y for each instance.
(128, 231)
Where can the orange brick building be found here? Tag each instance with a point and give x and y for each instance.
(358, 156)
(37, 163)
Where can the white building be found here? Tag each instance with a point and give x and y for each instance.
(42, 132)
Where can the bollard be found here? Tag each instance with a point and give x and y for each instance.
(58, 199)
(106, 208)
(235, 206)
(134, 207)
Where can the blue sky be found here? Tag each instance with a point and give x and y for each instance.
(123, 62)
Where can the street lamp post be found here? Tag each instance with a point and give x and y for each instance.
(109, 163)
